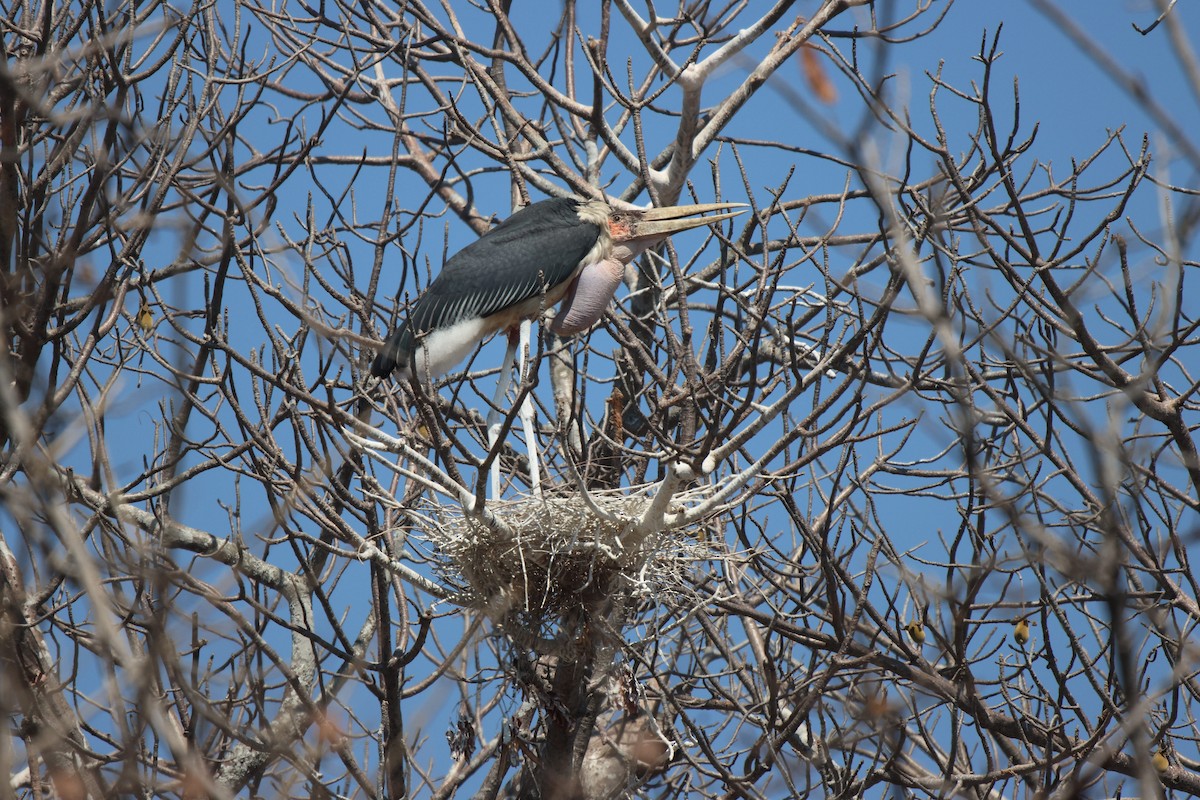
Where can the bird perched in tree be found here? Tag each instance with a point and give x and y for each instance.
(1159, 759)
(145, 317)
(916, 630)
(1020, 632)
(567, 250)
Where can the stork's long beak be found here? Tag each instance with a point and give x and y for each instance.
(660, 222)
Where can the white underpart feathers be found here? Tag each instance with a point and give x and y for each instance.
(440, 350)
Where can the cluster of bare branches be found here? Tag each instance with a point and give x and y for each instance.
(888, 487)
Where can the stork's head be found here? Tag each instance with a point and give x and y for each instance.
(635, 230)
(624, 234)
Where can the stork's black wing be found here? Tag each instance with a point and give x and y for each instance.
(535, 249)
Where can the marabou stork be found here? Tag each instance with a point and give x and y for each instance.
(561, 250)
(547, 251)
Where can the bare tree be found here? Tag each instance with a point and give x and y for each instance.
(887, 488)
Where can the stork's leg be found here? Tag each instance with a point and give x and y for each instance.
(503, 382)
(531, 448)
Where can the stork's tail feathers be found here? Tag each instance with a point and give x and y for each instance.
(393, 354)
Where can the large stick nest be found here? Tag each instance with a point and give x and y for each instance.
(556, 555)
